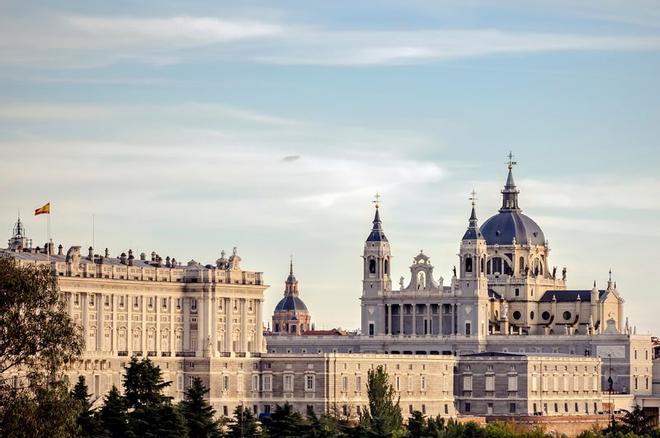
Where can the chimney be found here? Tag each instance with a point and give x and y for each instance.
(122, 258)
(107, 253)
(143, 256)
(130, 257)
(168, 263)
(60, 249)
(153, 256)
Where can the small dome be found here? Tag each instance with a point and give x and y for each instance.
(290, 303)
(502, 228)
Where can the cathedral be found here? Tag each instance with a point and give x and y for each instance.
(503, 336)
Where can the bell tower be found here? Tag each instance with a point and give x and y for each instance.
(473, 283)
(376, 277)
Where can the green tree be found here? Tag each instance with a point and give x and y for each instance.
(86, 419)
(198, 413)
(417, 425)
(47, 411)
(151, 413)
(36, 333)
(383, 418)
(285, 422)
(37, 337)
(244, 424)
(325, 426)
(113, 416)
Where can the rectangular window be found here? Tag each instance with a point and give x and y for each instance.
(121, 301)
(371, 329)
(255, 382)
(424, 409)
(225, 383)
(344, 383)
(467, 383)
(107, 300)
(595, 382)
(467, 406)
(490, 383)
(565, 383)
(309, 382)
(513, 383)
(136, 302)
(358, 383)
(76, 299)
(179, 382)
(267, 383)
(410, 383)
(397, 383)
(512, 408)
(178, 304)
(288, 382)
(164, 303)
(422, 383)
(193, 303)
(267, 409)
(446, 409)
(468, 329)
(91, 299)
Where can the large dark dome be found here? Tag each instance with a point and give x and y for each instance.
(510, 223)
(290, 302)
(504, 226)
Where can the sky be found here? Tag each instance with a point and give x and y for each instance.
(190, 127)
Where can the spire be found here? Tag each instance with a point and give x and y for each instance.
(609, 281)
(291, 282)
(377, 234)
(473, 231)
(510, 192)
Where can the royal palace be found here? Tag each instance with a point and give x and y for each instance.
(505, 335)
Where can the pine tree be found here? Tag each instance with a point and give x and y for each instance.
(417, 425)
(244, 424)
(285, 422)
(86, 420)
(152, 412)
(383, 418)
(113, 416)
(198, 413)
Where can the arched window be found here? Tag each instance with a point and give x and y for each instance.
(483, 263)
(468, 264)
(521, 264)
(387, 267)
(497, 265)
(372, 266)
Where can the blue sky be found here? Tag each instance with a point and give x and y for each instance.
(189, 127)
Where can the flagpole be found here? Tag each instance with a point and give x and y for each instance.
(49, 240)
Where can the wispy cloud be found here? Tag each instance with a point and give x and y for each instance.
(90, 41)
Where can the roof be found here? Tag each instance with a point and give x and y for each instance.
(503, 227)
(331, 332)
(492, 354)
(291, 302)
(493, 294)
(565, 296)
(377, 234)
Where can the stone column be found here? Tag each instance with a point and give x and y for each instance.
(389, 319)
(228, 325)
(143, 346)
(429, 320)
(185, 303)
(115, 329)
(85, 319)
(214, 324)
(159, 335)
(172, 303)
(243, 308)
(401, 330)
(129, 323)
(100, 323)
(414, 319)
(201, 325)
(260, 326)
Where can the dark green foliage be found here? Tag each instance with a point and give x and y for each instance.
(48, 411)
(417, 425)
(144, 384)
(325, 426)
(151, 413)
(285, 422)
(198, 413)
(244, 424)
(86, 420)
(384, 415)
(36, 332)
(637, 422)
(113, 417)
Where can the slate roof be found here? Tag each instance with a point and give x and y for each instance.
(291, 302)
(569, 296)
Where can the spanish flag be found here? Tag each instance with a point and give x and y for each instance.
(43, 210)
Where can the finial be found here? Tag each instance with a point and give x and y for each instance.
(376, 200)
(594, 284)
(473, 196)
(510, 163)
(610, 275)
(291, 264)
